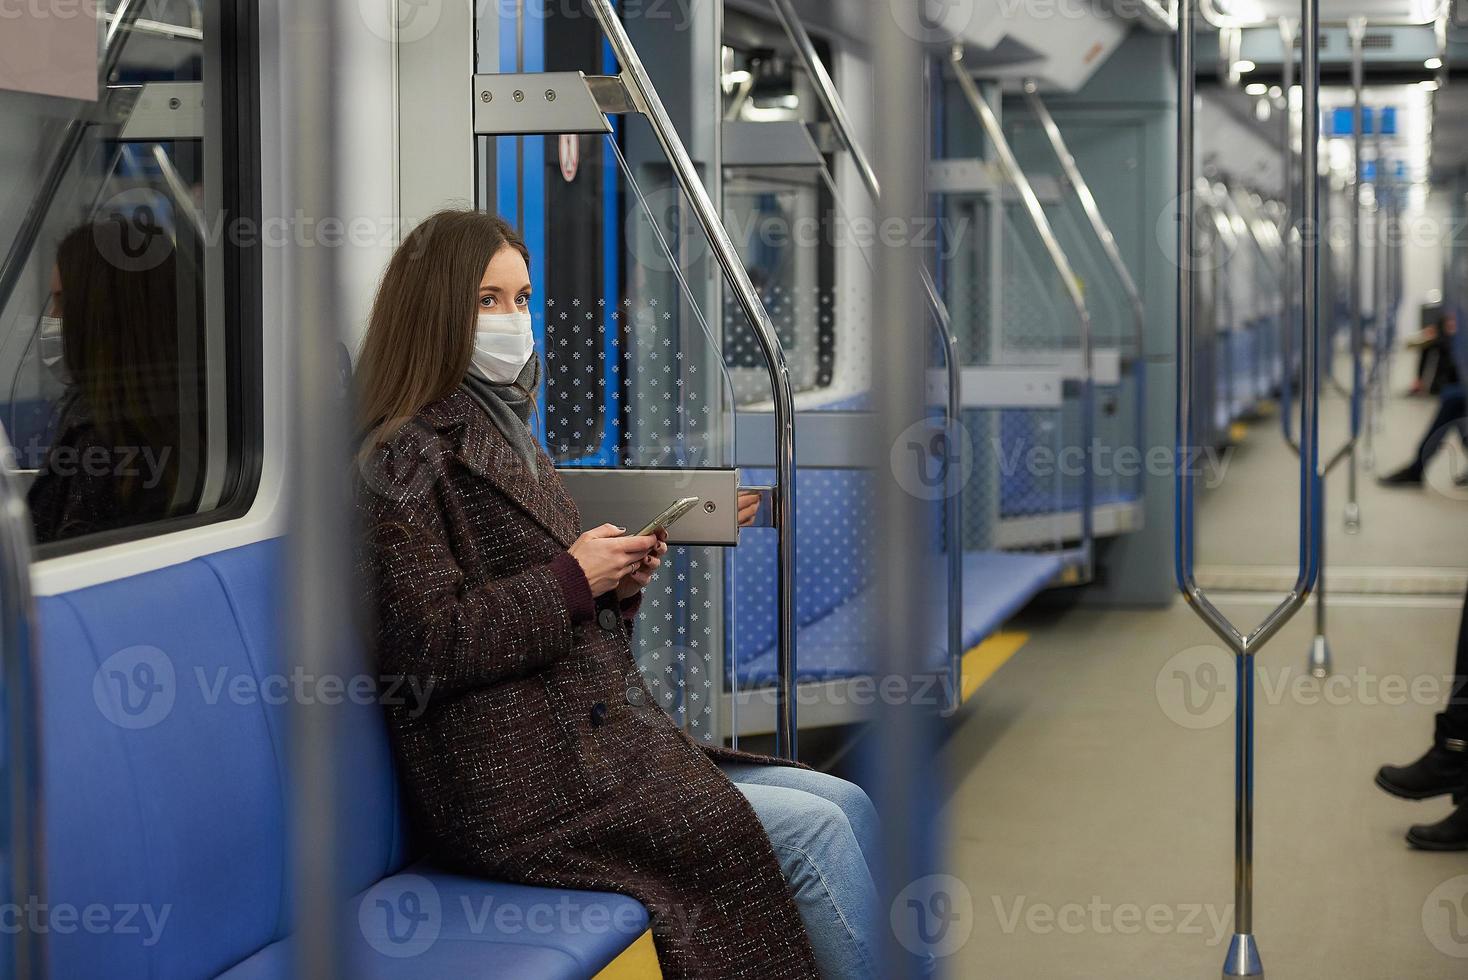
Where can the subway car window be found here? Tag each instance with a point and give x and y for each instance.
(125, 299)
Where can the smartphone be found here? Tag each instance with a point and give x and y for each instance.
(669, 516)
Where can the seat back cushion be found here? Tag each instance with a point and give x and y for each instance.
(164, 770)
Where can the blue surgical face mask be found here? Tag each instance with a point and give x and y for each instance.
(503, 344)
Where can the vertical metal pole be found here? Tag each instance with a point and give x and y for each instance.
(1320, 661)
(835, 111)
(1287, 35)
(906, 790)
(1242, 958)
(317, 547)
(1357, 29)
(24, 842)
(686, 174)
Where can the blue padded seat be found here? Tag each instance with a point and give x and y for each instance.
(996, 585)
(163, 711)
(426, 925)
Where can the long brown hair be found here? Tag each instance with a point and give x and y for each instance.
(421, 333)
(120, 346)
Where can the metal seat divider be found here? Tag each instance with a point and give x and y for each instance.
(1242, 958)
(1102, 230)
(1085, 569)
(835, 111)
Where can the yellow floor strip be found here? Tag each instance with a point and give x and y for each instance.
(980, 663)
(637, 962)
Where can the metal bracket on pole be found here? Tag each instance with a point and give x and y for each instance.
(1243, 958)
(1058, 259)
(517, 103)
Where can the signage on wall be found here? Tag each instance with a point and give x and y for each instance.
(49, 49)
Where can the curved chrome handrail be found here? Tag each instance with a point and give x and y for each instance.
(646, 98)
(1036, 213)
(18, 674)
(1242, 958)
(835, 110)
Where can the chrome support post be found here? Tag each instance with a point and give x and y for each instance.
(25, 830)
(835, 110)
(1036, 213)
(1357, 30)
(1319, 658)
(906, 789)
(1243, 959)
(1287, 34)
(318, 549)
(645, 96)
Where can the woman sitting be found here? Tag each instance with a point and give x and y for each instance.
(540, 756)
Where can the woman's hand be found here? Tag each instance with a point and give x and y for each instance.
(748, 503)
(636, 580)
(606, 555)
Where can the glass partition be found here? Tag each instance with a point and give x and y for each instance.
(1117, 355)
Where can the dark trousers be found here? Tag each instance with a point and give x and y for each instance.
(1455, 718)
(1452, 413)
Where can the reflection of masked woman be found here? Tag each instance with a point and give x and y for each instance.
(118, 449)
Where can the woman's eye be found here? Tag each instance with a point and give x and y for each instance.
(522, 300)
(487, 302)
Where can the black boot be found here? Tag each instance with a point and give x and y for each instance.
(1444, 769)
(1407, 476)
(1448, 834)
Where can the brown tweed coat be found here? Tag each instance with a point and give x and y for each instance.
(540, 756)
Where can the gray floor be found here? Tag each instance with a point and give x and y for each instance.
(1091, 815)
(1075, 784)
(1248, 525)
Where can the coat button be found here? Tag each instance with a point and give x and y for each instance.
(599, 714)
(634, 695)
(607, 619)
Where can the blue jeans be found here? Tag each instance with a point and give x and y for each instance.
(824, 832)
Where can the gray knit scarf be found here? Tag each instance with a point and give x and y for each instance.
(508, 407)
